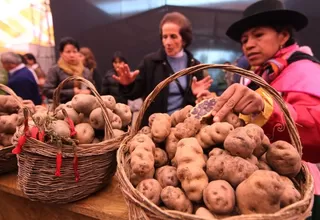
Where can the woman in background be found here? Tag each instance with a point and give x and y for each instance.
(110, 86)
(175, 33)
(89, 61)
(68, 64)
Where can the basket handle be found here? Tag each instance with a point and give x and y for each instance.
(294, 136)
(108, 132)
(6, 89)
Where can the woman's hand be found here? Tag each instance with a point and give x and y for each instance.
(205, 94)
(125, 76)
(199, 86)
(237, 98)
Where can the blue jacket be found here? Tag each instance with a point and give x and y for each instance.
(22, 82)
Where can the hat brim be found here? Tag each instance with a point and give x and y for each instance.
(276, 17)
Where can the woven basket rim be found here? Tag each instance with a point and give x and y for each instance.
(135, 199)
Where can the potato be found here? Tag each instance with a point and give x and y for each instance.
(219, 197)
(188, 128)
(69, 104)
(61, 128)
(160, 128)
(124, 112)
(8, 104)
(84, 103)
(5, 139)
(171, 144)
(151, 189)
(109, 101)
(73, 115)
(284, 158)
(136, 178)
(85, 133)
(118, 133)
(116, 122)
(8, 123)
(261, 149)
(141, 140)
(253, 159)
(41, 117)
(96, 119)
(204, 213)
(190, 164)
(222, 166)
(290, 194)
(238, 143)
(142, 158)
(214, 134)
(260, 193)
(179, 116)
(40, 108)
(233, 119)
(160, 158)
(167, 176)
(175, 199)
(146, 130)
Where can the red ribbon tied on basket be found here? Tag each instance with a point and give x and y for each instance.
(23, 138)
(70, 122)
(58, 163)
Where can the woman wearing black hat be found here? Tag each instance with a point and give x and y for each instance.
(266, 35)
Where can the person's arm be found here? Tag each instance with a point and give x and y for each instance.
(136, 89)
(303, 108)
(190, 98)
(52, 81)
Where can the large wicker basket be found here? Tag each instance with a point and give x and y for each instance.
(96, 163)
(8, 161)
(142, 208)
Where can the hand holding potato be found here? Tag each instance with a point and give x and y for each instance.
(237, 98)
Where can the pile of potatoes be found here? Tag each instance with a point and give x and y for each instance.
(212, 169)
(81, 120)
(10, 118)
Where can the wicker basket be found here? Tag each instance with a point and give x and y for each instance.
(8, 161)
(142, 208)
(96, 163)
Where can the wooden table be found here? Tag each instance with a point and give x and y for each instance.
(106, 204)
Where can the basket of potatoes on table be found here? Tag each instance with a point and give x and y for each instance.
(185, 166)
(69, 152)
(10, 118)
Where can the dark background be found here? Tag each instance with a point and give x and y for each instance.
(136, 32)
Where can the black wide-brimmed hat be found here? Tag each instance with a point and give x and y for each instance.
(266, 12)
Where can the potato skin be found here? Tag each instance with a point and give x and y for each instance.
(284, 159)
(85, 133)
(167, 176)
(175, 199)
(171, 144)
(160, 157)
(84, 103)
(214, 134)
(260, 193)
(290, 194)
(151, 189)
(160, 126)
(219, 197)
(205, 213)
(190, 164)
(261, 149)
(243, 140)
(223, 166)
